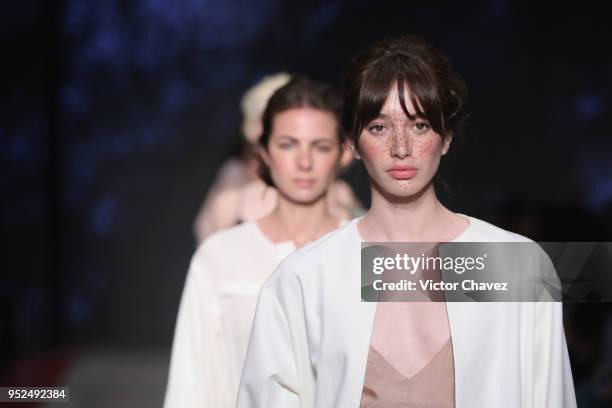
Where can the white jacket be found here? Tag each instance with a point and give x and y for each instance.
(215, 316)
(310, 337)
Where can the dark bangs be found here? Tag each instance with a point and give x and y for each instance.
(437, 93)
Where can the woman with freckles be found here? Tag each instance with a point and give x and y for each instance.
(314, 343)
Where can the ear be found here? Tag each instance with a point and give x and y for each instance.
(263, 153)
(353, 149)
(447, 142)
(346, 156)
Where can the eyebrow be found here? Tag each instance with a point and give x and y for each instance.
(295, 139)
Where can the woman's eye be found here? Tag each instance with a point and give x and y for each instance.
(324, 148)
(421, 127)
(376, 128)
(285, 146)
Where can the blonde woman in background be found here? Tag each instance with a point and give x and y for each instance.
(301, 146)
(238, 194)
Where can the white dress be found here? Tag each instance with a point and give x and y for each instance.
(311, 334)
(215, 315)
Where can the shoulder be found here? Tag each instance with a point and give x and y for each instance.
(218, 211)
(224, 197)
(255, 188)
(227, 240)
(537, 262)
(306, 261)
(231, 174)
(481, 230)
(234, 254)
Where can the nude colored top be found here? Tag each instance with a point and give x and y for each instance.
(405, 368)
(433, 386)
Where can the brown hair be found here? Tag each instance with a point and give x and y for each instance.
(437, 91)
(299, 92)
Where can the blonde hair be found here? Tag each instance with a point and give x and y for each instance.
(256, 98)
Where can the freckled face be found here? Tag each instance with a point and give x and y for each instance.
(401, 155)
(303, 153)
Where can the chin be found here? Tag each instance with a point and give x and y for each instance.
(400, 189)
(304, 198)
(310, 199)
(403, 194)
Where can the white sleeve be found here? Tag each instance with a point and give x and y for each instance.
(197, 376)
(553, 382)
(270, 375)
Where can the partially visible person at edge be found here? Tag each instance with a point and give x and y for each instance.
(314, 343)
(301, 147)
(239, 194)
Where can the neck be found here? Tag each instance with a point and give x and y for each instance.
(402, 219)
(300, 223)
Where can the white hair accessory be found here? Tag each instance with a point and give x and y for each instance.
(255, 99)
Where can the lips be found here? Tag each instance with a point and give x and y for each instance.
(402, 172)
(304, 183)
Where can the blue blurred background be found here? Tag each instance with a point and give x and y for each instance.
(117, 114)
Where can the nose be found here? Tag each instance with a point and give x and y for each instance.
(304, 160)
(401, 145)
